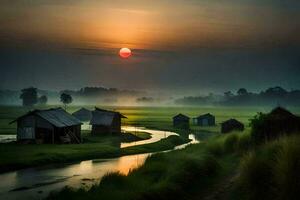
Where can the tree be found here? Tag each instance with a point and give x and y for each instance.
(43, 100)
(66, 99)
(242, 92)
(29, 96)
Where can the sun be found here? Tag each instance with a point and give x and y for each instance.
(125, 53)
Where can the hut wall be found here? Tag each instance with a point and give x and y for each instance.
(26, 128)
(228, 127)
(180, 123)
(116, 125)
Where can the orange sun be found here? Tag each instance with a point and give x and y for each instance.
(125, 53)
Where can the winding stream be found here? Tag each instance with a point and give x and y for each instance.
(38, 182)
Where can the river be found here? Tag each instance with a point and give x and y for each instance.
(38, 182)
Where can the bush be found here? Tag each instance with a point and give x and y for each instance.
(257, 126)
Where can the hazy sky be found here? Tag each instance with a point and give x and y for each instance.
(178, 45)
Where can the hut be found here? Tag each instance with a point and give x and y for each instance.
(181, 121)
(231, 125)
(205, 120)
(83, 114)
(48, 127)
(275, 124)
(106, 122)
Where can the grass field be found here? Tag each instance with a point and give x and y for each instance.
(151, 117)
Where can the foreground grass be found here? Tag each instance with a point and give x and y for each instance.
(225, 167)
(272, 171)
(180, 174)
(16, 156)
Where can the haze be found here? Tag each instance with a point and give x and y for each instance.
(178, 46)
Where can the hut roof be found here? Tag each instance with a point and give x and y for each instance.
(56, 116)
(207, 115)
(81, 110)
(281, 113)
(83, 113)
(104, 117)
(181, 116)
(232, 121)
(109, 111)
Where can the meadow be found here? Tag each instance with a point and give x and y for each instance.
(150, 117)
(220, 167)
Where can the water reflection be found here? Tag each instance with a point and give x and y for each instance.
(37, 183)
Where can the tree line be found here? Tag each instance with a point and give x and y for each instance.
(30, 98)
(271, 96)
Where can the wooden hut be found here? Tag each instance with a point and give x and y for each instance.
(106, 122)
(48, 126)
(275, 124)
(205, 120)
(181, 121)
(231, 125)
(83, 114)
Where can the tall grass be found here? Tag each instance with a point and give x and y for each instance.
(272, 171)
(235, 142)
(176, 175)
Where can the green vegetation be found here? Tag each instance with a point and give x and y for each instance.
(183, 174)
(151, 117)
(271, 171)
(16, 156)
(228, 166)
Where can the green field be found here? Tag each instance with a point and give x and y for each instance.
(151, 117)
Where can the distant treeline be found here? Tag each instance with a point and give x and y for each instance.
(271, 96)
(83, 95)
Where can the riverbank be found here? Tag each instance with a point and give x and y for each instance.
(226, 167)
(16, 156)
(181, 174)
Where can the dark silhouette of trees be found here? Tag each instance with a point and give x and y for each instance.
(242, 92)
(66, 99)
(43, 100)
(29, 96)
(271, 96)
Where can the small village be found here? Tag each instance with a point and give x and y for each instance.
(56, 126)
